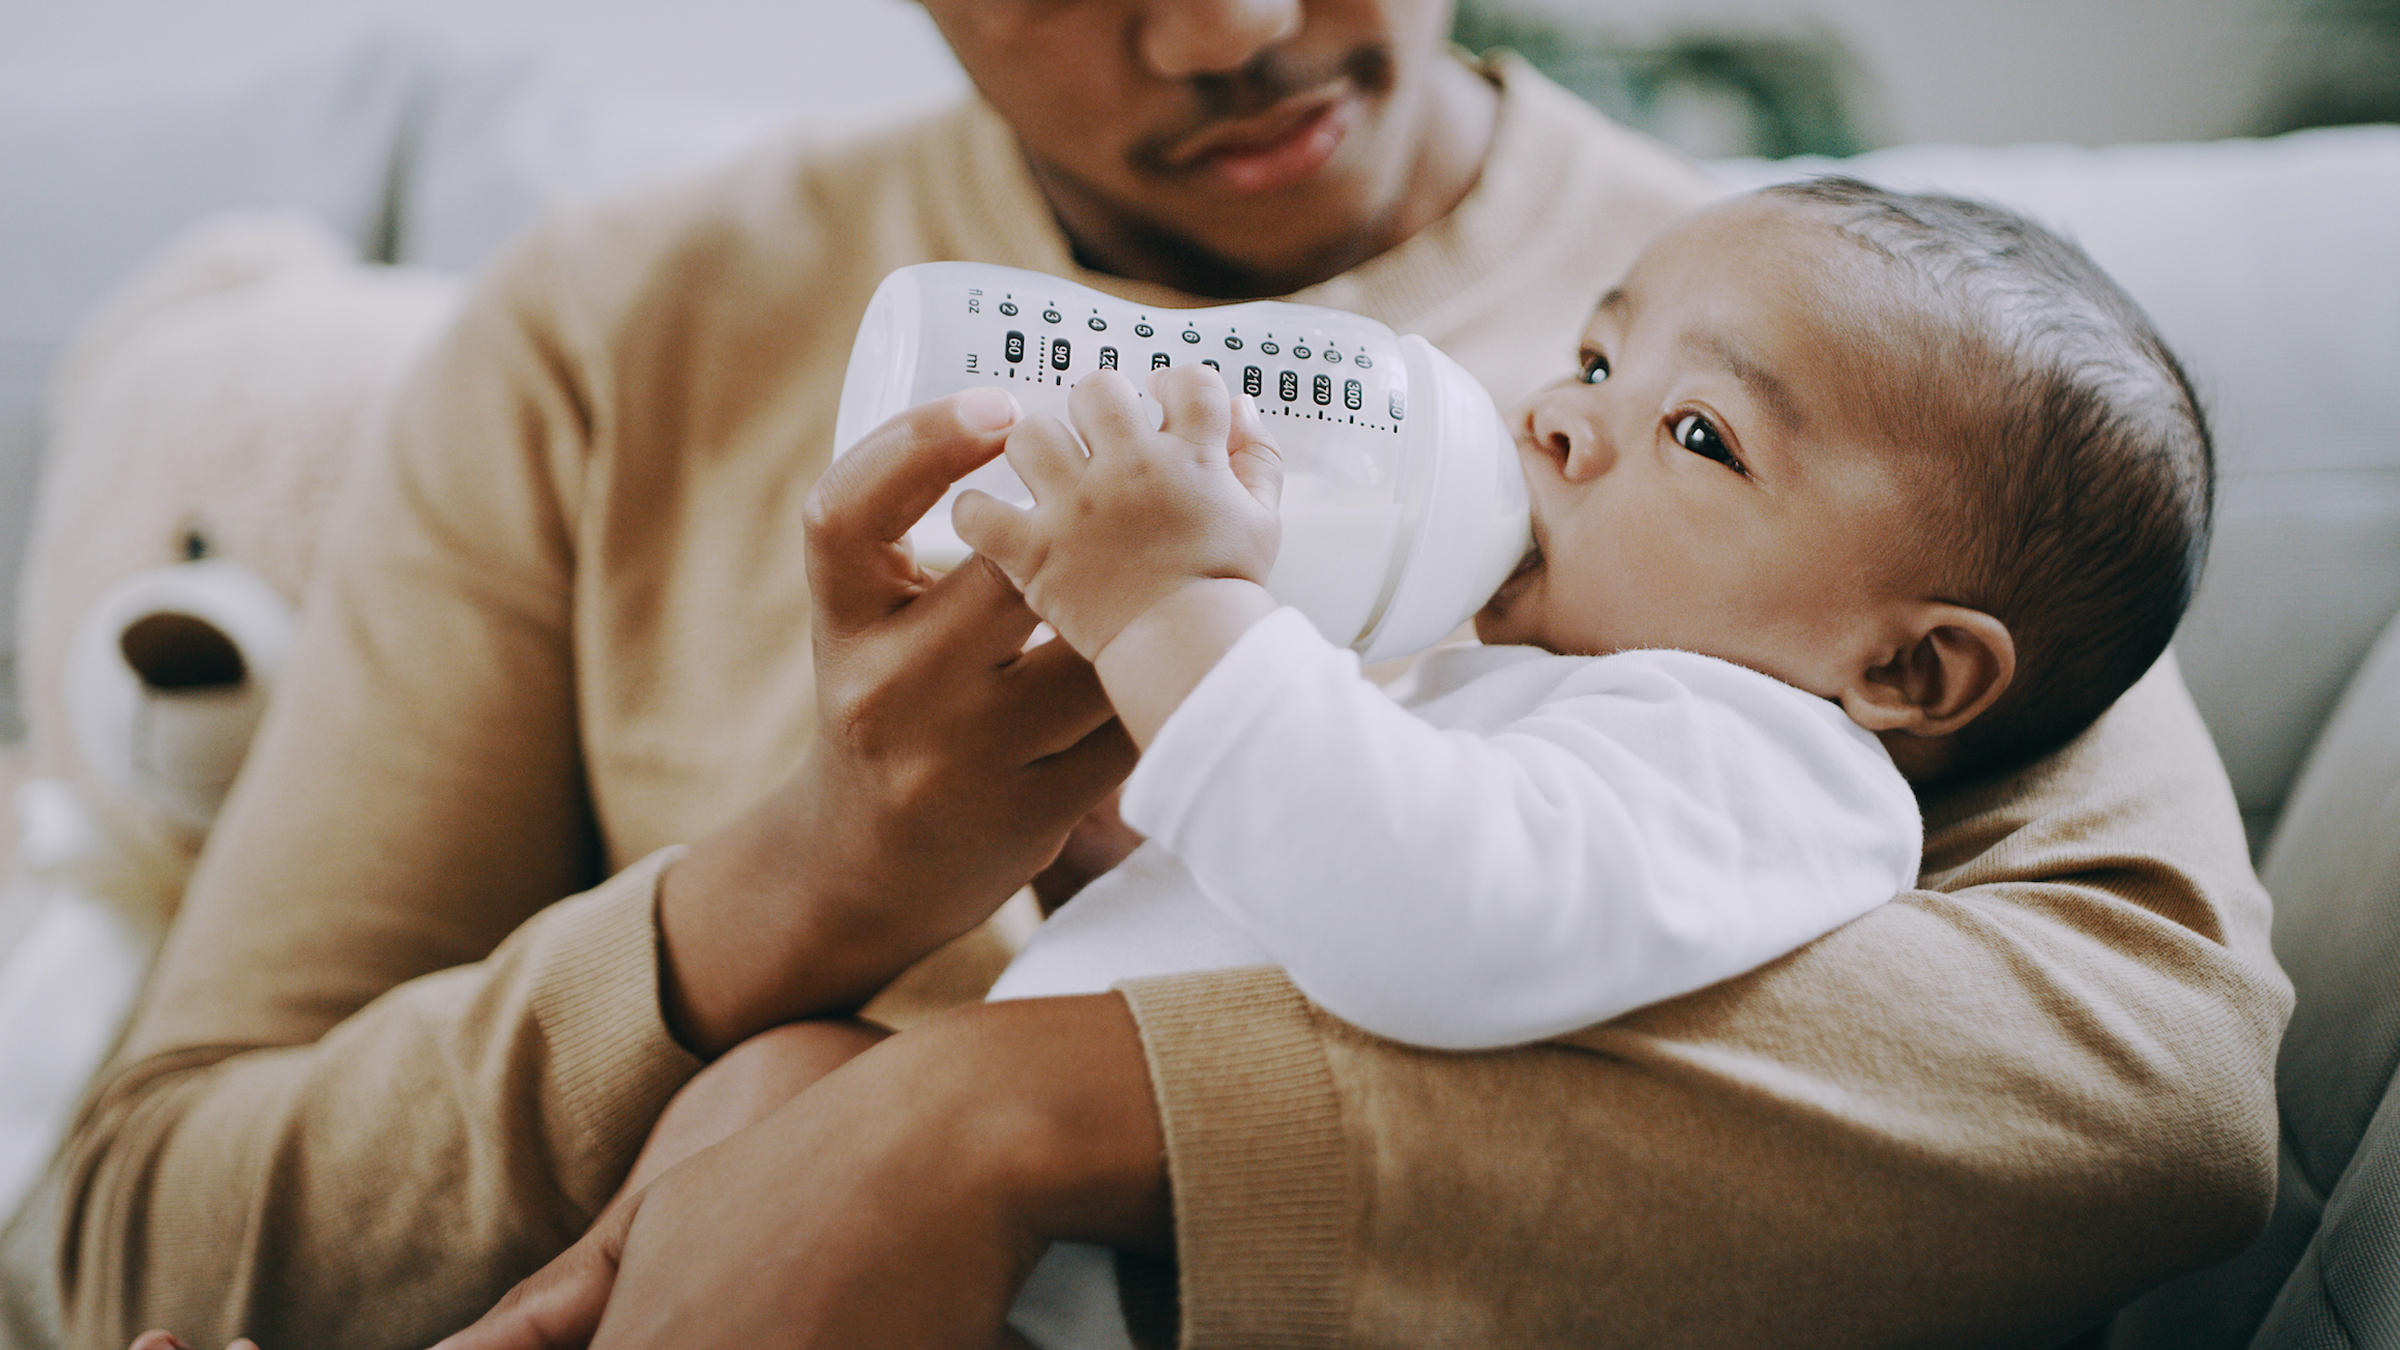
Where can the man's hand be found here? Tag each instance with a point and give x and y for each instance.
(1094, 847)
(1144, 515)
(898, 1203)
(948, 766)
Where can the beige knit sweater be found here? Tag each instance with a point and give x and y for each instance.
(384, 1070)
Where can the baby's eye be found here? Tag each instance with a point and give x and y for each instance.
(1694, 433)
(1595, 368)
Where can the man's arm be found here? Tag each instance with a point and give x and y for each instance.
(897, 1203)
(373, 1070)
(413, 799)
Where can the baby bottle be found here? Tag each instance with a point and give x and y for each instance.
(1403, 504)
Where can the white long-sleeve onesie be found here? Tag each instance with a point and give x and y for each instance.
(1509, 845)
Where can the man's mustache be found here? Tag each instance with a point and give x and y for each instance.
(1267, 79)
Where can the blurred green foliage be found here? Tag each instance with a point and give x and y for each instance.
(1708, 93)
(2346, 55)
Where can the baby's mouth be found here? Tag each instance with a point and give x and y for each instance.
(1531, 560)
(1526, 566)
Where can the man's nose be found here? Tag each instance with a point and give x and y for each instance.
(1182, 38)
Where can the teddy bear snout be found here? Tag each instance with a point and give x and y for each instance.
(182, 651)
(167, 678)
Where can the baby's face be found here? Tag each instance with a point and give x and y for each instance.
(1711, 482)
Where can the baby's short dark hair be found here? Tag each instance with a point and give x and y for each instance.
(2075, 497)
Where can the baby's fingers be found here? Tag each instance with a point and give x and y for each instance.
(1107, 411)
(1198, 412)
(1046, 455)
(1257, 460)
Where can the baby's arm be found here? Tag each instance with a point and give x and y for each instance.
(1146, 555)
(1565, 840)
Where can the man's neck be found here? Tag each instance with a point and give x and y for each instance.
(1460, 110)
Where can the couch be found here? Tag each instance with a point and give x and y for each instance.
(2269, 264)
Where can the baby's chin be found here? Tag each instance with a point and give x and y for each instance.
(1498, 625)
(1507, 619)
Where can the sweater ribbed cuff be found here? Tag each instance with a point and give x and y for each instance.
(1255, 1155)
(612, 1063)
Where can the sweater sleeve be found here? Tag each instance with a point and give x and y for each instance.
(1985, 1113)
(375, 1078)
(1652, 823)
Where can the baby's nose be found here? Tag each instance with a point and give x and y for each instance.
(1573, 442)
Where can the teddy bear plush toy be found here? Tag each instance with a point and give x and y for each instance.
(201, 424)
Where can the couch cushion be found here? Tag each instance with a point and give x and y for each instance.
(97, 179)
(2345, 1291)
(2269, 266)
(2334, 870)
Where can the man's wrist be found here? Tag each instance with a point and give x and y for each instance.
(1053, 1115)
(749, 939)
(1162, 653)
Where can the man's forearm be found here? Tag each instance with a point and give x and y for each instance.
(898, 1202)
(483, 1113)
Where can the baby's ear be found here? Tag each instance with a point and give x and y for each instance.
(1939, 668)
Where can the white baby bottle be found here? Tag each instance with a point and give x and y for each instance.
(1403, 504)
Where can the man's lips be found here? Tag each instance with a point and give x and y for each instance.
(1275, 149)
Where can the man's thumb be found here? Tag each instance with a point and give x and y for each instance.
(557, 1307)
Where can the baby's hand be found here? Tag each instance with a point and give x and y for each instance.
(1144, 515)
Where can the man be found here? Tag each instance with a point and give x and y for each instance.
(384, 1071)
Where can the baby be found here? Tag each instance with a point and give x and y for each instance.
(1852, 490)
